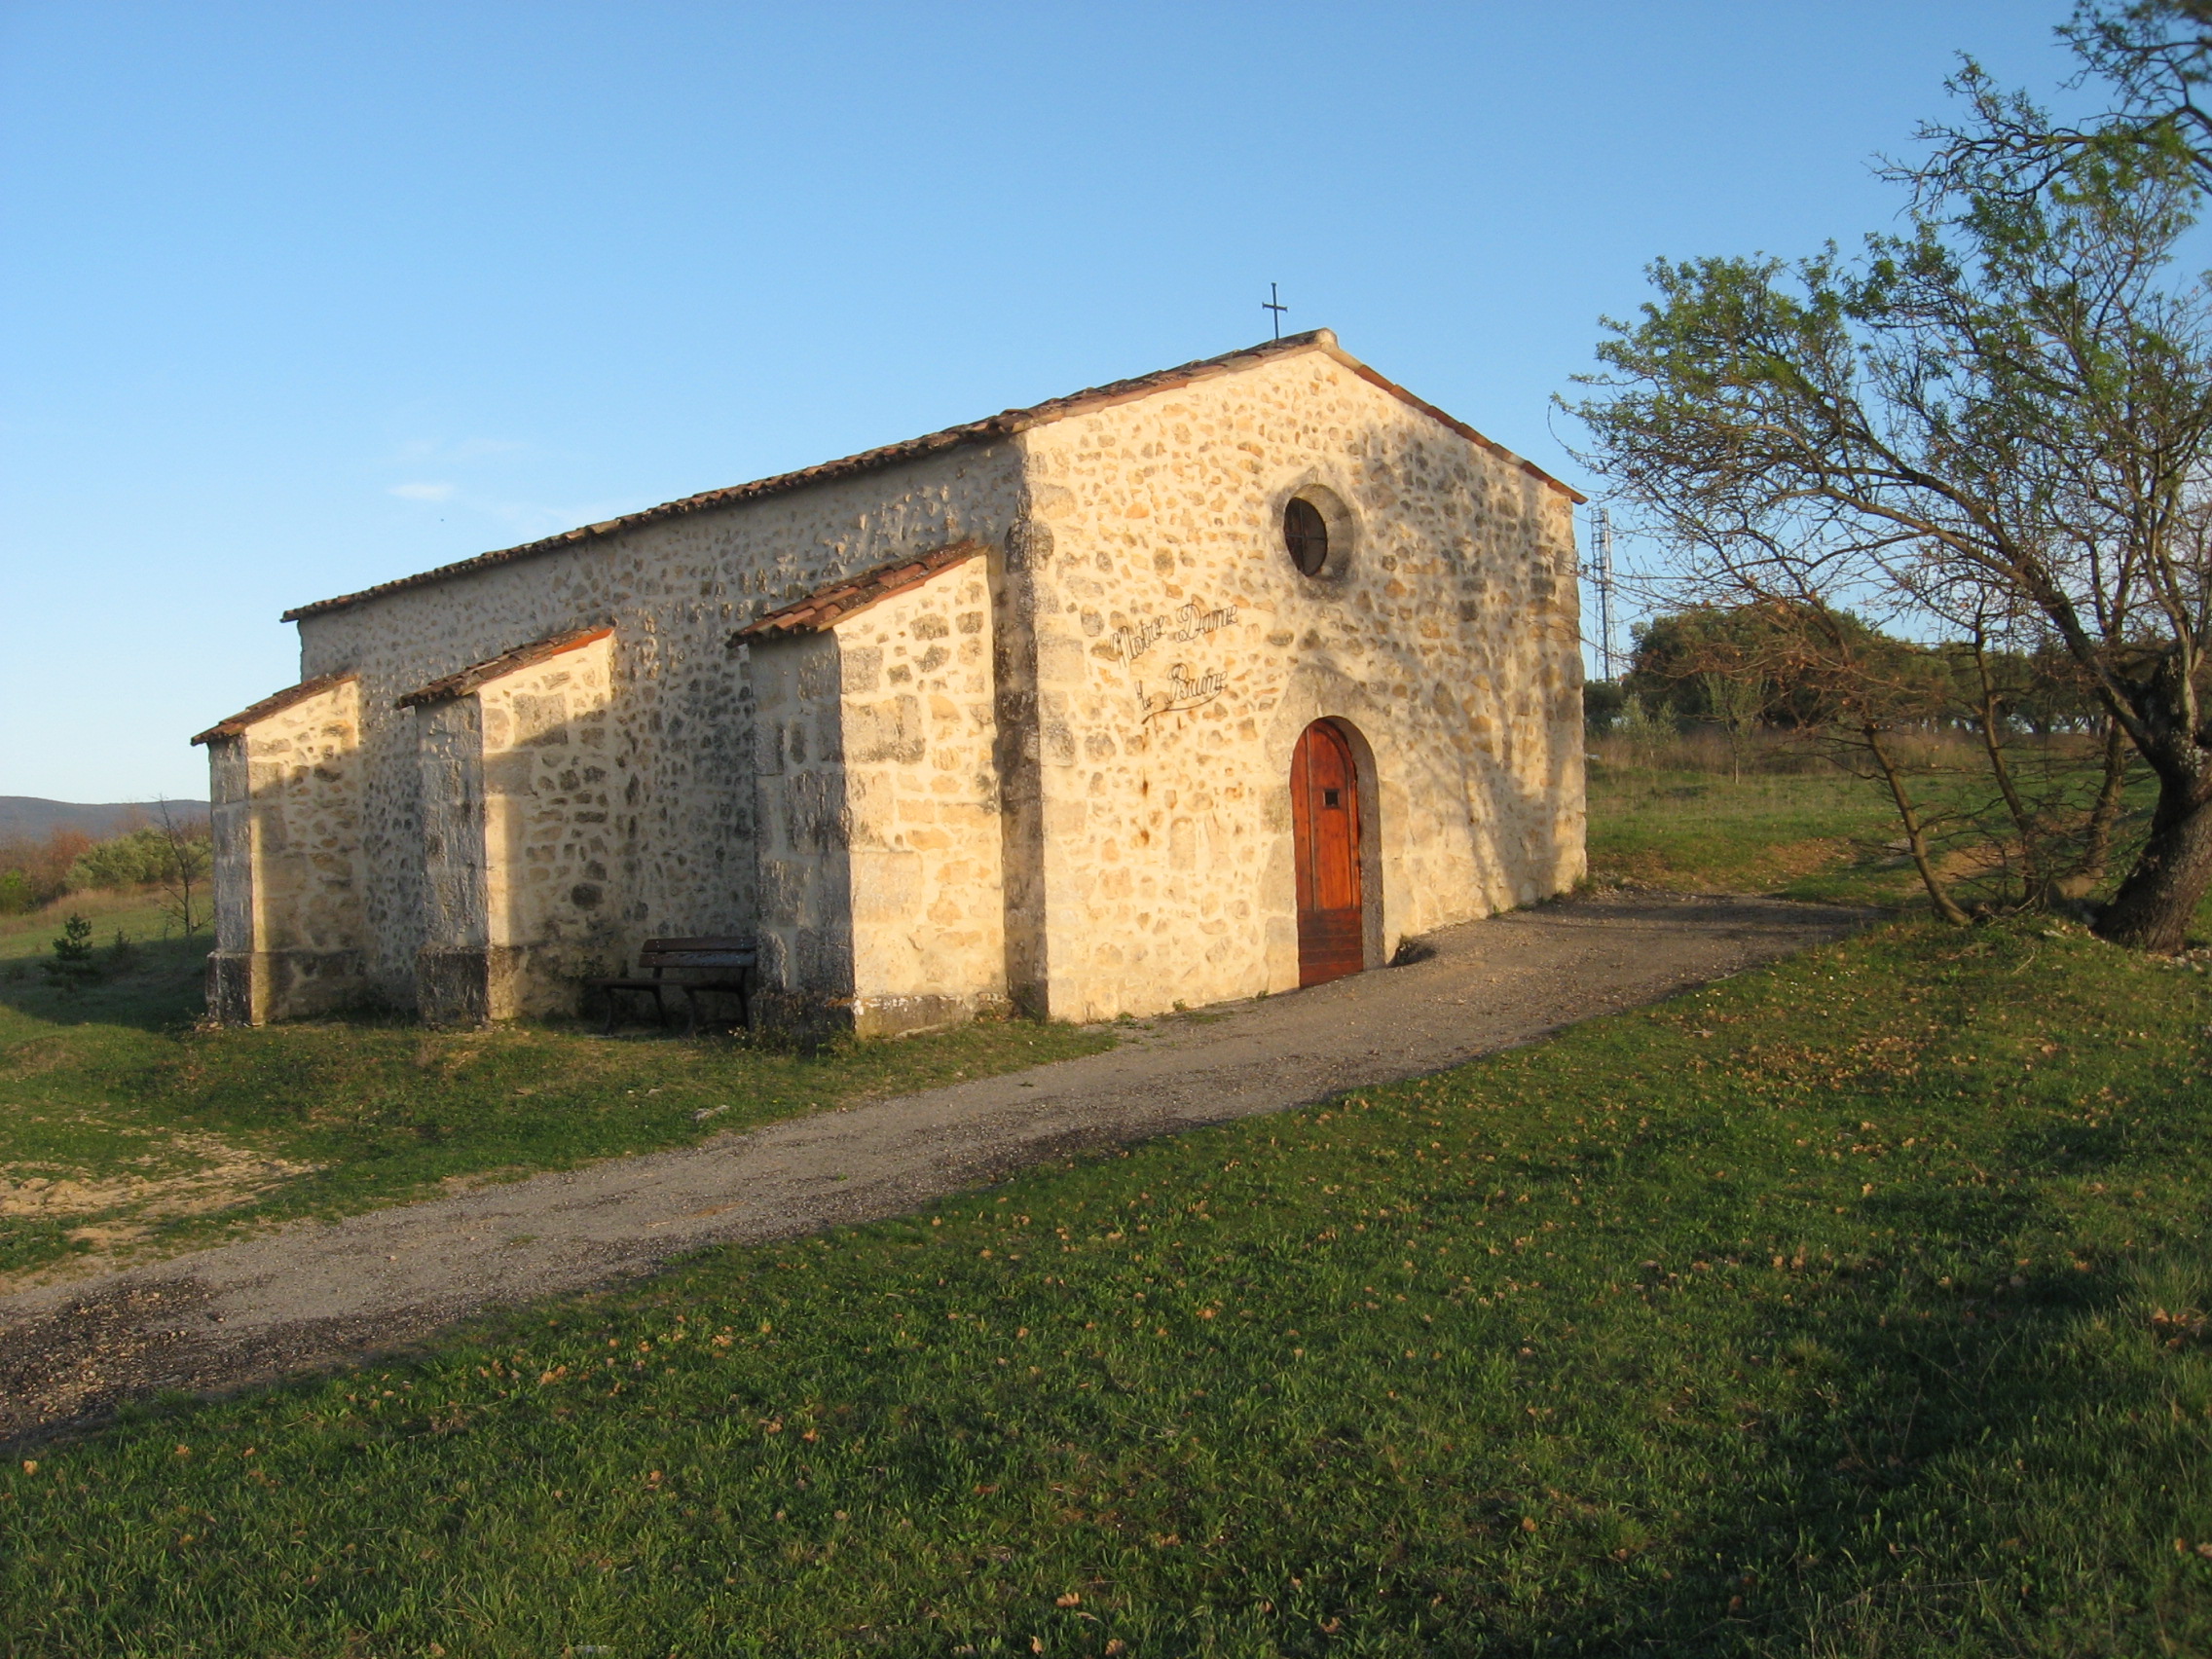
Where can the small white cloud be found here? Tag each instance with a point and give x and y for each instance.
(422, 491)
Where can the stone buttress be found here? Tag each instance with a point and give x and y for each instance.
(878, 809)
(285, 784)
(517, 848)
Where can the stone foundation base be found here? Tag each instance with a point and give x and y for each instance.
(254, 987)
(808, 1017)
(481, 985)
(473, 985)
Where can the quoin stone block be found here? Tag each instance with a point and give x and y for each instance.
(1007, 715)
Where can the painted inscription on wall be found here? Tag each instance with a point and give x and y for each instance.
(1183, 690)
(1184, 623)
(1185, 687)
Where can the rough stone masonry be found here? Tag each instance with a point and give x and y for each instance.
(1009, 714)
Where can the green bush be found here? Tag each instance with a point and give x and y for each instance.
(132, 860)
(1601, 703)
(74, 966)
(141, 858)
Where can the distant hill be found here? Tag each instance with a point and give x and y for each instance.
(28, 818)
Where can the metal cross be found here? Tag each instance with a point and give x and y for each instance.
(1273, 303)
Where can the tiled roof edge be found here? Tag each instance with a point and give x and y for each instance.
(464, 681)
(275, 704)
(1458, 425)
(836, 602)
(1006, 424)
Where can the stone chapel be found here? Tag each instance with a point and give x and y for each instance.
(1218, 681)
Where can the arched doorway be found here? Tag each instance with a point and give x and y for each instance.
(1324, 818)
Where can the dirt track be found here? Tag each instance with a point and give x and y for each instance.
(315, 1294)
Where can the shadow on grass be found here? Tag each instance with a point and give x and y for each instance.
(1559, 1385)
(1993, 1448)
(157, 986)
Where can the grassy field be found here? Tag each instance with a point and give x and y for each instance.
(1852, 1307)
(126, 1130)
(1815, 833)
(133, 915)
(1821, 836)
(1858, 1305)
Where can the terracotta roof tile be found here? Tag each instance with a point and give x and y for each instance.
(470, 678)
(1001, 426)
(826, 607)
(273, 705)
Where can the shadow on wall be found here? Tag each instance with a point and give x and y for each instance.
(804, 828)
(524, 846)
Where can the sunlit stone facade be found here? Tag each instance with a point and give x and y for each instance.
(1003, 716)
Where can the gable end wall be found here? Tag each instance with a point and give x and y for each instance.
(1450, 642)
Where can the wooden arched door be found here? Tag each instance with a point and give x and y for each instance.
(1324, 818)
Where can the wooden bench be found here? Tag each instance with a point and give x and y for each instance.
(724, 963)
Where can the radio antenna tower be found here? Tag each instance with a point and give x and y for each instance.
(1601, 578)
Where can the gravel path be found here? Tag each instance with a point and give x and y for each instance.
(315, 1294)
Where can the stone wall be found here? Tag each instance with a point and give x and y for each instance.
(679, 841)
(880, 838)
(288, 873)
(1179, 654)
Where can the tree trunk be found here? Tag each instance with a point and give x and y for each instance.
(2156, 902)
(1915, 839)
(2035, 879)
(2104, 819)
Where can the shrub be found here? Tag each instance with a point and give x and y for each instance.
(134, 858)
(40, 869)
(73, 967)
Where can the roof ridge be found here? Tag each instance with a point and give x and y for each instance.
(1006, 424)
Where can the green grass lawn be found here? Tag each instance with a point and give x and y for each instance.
(125, 1130)
(1820, 835)
(1852, 1307)
(1816, 835)
(135, 916)
(1857, 1306)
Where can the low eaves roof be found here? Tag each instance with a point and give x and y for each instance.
(1001, 426)
(460, 685)
(827, 606)
(237, 724)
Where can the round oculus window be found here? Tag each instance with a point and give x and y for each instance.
(1306, 536)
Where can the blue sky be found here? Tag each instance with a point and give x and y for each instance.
(294, 299)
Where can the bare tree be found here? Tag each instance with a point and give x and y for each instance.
(184, 866)
(2004, 412)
